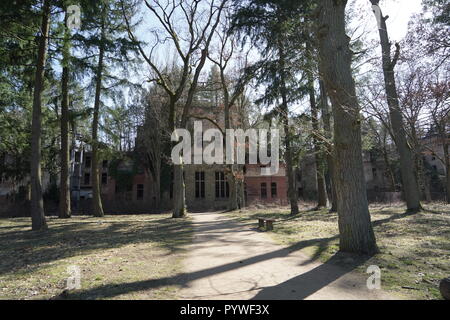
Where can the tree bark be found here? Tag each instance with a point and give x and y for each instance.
(179, 205)
(322, 200)
(328, 135)
(409, 180)
(292, 194)
(97, 206)
(232, 181)
(64, 196)
(355, 228)
(37, 203)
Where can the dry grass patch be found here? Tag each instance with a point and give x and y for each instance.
(415, 249)
(110, 252)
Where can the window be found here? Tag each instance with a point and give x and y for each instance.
(87, 162)
(105, 164)
(374, 172)
(140, 192)
(200, 184)
(263, 190)
(87, 178)
(222, 187)
(273, 189)
(77, 156)
(104, 178)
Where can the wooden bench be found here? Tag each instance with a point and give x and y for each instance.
(267, 223)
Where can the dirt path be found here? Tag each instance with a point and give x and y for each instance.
(232, 260)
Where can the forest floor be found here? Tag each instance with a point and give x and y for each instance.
(119, 257)
(414, 249)
(223, 256)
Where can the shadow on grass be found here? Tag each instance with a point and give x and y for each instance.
(172, 235)
(306, 283)
(184, 279)
(25, 250)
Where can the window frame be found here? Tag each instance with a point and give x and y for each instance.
(199, 178)
(222, 186)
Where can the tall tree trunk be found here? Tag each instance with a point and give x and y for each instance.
(328, 135)
(409, 181)
(95, 173)
(179, 209)
(179, 205)
(64, 196)
(292, 194)
(37, 203)
(232, 181)
(322, 200)
(355, 227)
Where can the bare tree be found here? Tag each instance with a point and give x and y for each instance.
(189, 26)
(413, 100)
(439, 94)
(232, 90)
(409, 181)
(322, 199)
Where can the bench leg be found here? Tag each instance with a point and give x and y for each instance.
(260, 223)
(269, 225)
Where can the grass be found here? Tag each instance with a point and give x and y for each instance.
(109, 251)
(414, 249)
